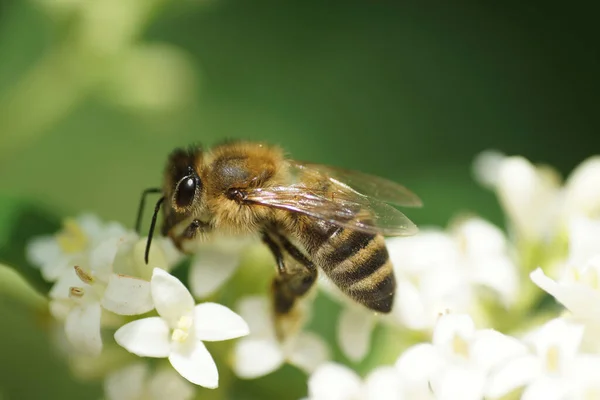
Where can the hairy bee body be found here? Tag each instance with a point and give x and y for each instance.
(312, 217)
(357, 262)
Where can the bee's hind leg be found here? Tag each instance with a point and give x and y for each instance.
(293, 280)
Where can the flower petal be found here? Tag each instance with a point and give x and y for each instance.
(82, 327)
(333, 381)
(560, 334)
(418, 365)
(308, 352)
(490, 348)
(210, 269)
(256, 311)
(125, 295)
(103, 256)
(171, 298)
(147, 337)
(195, 364)
(354, 332)
(383, 383)
(42, 250)
(448, 327)
(216, 322)
(545, 388)
(126, 383)
(63, 285)
(168, 384)
(512, 375)
(460, 383)
(577, 298)
(254, 357)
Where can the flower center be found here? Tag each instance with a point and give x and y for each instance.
(72, 239)
(553, 359)
(182, 331)
(460, 346)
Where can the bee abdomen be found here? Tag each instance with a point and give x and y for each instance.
(358, 263)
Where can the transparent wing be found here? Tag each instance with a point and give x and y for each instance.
(336, 204)
(368, 185)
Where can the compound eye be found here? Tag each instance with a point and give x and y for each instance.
(186, 191)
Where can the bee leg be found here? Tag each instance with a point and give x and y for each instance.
(291, 283)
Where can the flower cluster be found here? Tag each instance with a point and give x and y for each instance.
(102, 284)
(471, 316)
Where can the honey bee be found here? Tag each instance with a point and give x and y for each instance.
(312, 217)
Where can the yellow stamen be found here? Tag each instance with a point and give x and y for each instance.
(76, 292)
(181, 333)
(72, 239)
(84, 276)
(460, 346)
(553, 359)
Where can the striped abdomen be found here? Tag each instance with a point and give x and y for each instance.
(357, 262)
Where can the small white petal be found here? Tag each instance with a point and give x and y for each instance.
(52, 271)
(512, 375)
(309, 351)
(449, 326)
(384, 383)
(584, 239)
(126, 383)
(61, 308)
(63, 285)
(418, 365)
(561, 334)
(83, 328)
(577, 298)
(42, 250)
(216, 322)
(490, 348)
(147, 337)
(125, 295)
(256, 357)
(354, 332)
(409, 308)
(545, 388)
(171, 298)
(195, 364)
(486, 167)
(333, 381)
(256, 311)
(583, 188)
(460, 383)
(103, 256)
(210, 269)
(168, 384)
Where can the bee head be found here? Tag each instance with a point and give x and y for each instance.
(183, 188)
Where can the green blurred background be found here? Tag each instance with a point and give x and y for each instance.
(93, 99)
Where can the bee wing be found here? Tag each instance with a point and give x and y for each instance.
(368, 185)
(338, 205)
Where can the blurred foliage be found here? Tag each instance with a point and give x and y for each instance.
(401, 90)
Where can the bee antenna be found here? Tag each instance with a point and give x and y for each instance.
(152, 225)
(138, 221)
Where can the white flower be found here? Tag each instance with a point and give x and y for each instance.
(582, 189)
(578, 289)
(77, 297)
(56, 253)
(530, 195)
(261, 353)
(584, 240)
(179, 330)
(553, 371)
(135, 382)
(215, 262)
(437, 271)
(333, 381)
(457, 364)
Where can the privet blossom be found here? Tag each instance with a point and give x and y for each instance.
(466, 323)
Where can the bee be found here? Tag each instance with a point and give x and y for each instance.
(312, 217)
